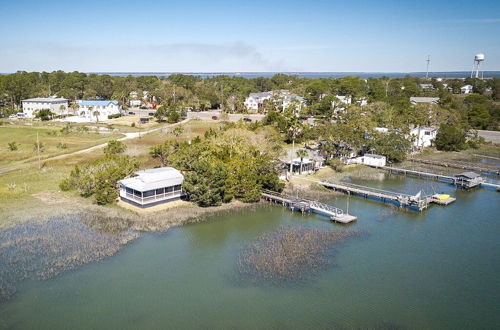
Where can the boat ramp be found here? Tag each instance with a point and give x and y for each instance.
(306, 205)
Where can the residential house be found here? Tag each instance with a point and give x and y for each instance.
(467, 89)
(312, 162)
(424, 100)
(152, 186)
(59, 106)
(97, 110)
(369, 160)
(423, 137)
(426, 87)
(255, 101)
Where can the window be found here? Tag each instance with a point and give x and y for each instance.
(149, 193)
(177, 187)
(427, 133)
(160, 191)
(169, 189)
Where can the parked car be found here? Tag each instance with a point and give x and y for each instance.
(215, 117)
(151, 114)
(247, 119)
(144, 120)
(131, 113)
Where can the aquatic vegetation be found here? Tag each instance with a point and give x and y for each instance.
(42, 250)
(289, 253)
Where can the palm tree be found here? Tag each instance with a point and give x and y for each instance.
(294, 129)
(301, 153)
(62, 109)
(74, 107)
(90, 112)
(96, 115)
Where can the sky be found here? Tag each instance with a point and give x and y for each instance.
(247, 36)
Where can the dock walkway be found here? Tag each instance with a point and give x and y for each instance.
(416, 202)
(307, 205)
(459, 164)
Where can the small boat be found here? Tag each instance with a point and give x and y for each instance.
(441, 196)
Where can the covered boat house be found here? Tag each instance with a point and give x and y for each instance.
(152, 186)
(467, 180)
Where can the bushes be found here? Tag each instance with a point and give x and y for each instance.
(99, 178)
(450, 138)
(13, 146)
(114, 147)
(116, 115)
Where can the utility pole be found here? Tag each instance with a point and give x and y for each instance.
(38, 150)
(428, 62)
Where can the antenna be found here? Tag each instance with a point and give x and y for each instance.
(428, 62)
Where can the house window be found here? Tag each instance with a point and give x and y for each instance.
(427, 133)
(160, 191)
(149, 193)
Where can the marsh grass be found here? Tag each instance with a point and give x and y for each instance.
(289, 254)
(41, 251)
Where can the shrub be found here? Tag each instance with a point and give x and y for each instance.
(44, 114)
(115, 147)
(450, 138)
(133, 124)
(13, 146)
(116, 115)
(38, 146)
(61, 145)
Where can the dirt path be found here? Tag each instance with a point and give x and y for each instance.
(127, 136)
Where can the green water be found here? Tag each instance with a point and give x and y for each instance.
(436, 269)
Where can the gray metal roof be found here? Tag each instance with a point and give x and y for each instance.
(154, 178)
(422, 99)
(470, 175)
(45, 100)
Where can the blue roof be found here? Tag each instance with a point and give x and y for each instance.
(97, 102)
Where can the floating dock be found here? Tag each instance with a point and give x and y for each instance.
(306, 205)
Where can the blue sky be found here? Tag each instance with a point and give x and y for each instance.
(191, 36)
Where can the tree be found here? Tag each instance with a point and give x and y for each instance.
(394, 146)
(301, 153)
(44, 114)
(114, 147)
(450, 138)
(162, 152)
(178, 130)
(205, 184)
(96, 115)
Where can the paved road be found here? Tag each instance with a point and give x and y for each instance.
(490, 136)
(207, 115)
(127, 136)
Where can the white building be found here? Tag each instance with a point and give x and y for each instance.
(423, 137)
(424, 100)
(369, 160)
(59, 106)
(255, 101)
(467, 89)
(88, 109)
(152, 186)
(309, 164)
(428, 87)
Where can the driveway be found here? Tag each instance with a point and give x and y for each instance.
(490, 136)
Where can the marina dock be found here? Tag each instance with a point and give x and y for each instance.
(306, 205)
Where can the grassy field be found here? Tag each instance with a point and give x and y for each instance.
(54, 142)
(31, 191)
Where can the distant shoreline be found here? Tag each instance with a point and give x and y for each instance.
(306, 74)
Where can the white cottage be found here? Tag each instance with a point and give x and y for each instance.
(152, 186)
(59, 106)
(467, 89)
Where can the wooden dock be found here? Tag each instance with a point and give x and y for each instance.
(417, 203)
(459, 164)
(306, 205)
(476, 182)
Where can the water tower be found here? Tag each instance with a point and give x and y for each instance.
(477, 62)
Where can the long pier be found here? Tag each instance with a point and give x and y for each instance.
(479, 181)
(458, 164)
(306, 205)
(416, 202)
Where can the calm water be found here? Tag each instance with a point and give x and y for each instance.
(436, 269)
